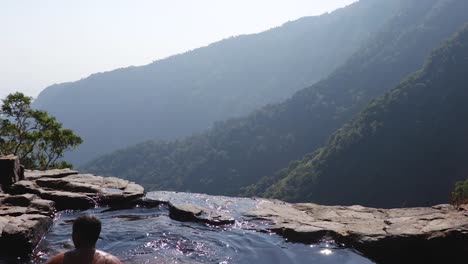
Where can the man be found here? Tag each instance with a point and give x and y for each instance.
(86, 230)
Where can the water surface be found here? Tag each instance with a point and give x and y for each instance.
(142, 235)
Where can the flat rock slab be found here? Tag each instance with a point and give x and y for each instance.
(70, 190)
(57, 173)
(406, 235)
(437, 234)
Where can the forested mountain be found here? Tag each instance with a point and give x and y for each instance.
(186, 93)
(407, 148)
(238, 152)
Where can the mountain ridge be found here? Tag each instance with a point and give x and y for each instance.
(408, 142)
(186, 93)
(237, 153)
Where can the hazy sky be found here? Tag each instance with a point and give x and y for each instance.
(52, 41)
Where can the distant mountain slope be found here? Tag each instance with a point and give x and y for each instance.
(186, 93)
(407, 148)
(238, 152)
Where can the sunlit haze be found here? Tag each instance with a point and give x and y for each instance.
(180, 123)
(54, 41)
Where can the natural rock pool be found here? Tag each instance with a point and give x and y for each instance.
(177, 227)
(149, 235)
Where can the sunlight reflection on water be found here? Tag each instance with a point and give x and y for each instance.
(141, 235)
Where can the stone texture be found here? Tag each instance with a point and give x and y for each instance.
(27, 210)
(406, 235)
(20, 234)
(69, 200)
(10, 171)
(212, 210)
(437, 234)
(70, 190)
(24, 220)
(56, 173)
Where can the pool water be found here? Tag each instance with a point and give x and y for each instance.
(149, 235)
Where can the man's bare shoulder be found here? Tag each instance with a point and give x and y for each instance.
(100, 257)
(106, 258)
(57, 259)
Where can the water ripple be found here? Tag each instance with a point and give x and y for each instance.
(142, 235)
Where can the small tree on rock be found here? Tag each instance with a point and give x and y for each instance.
(32, 135)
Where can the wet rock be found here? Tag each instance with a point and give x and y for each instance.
(184, 212)
(196, 213)
(20, 234)
(212, 210)
(24, 220)
(11, 171)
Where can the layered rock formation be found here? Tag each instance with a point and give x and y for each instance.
(29, 201)
(24, 219)
(70, 190)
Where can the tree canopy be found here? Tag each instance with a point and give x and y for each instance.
(406, 148)
(460, 193)
(32, 135)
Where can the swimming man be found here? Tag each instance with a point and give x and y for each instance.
(86, 230)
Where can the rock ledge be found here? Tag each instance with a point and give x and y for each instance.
(437, 234)
(31, 198)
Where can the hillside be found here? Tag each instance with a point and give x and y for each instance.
(407, 148)
(186, 93)
(238, 152)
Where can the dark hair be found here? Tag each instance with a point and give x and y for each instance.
(87, 228)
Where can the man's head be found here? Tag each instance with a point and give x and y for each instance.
(86, 230)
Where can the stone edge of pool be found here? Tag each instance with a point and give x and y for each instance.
(30, 199)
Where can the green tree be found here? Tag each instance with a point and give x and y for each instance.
(32, 135)
(460, 194)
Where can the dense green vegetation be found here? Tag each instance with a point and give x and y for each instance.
(407, 148)
(186, 93)
(32, 135)
(237, 153)
(460, 194)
